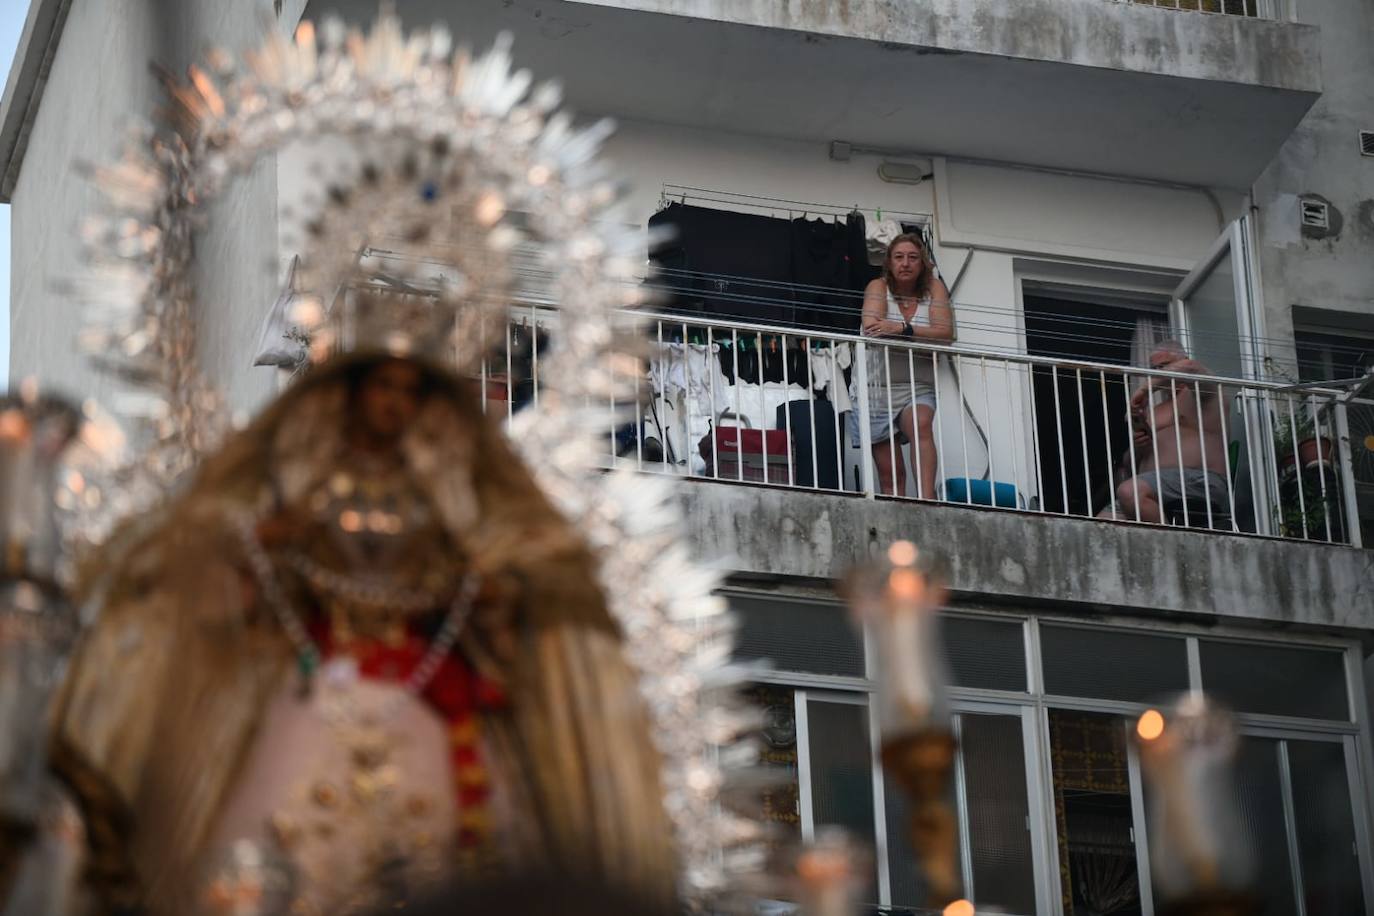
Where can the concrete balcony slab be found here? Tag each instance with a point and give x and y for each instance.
(1091, 85)
(1035, 560)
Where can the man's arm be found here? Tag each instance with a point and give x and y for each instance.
(1192, 399)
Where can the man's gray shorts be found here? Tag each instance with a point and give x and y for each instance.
(1200, 484)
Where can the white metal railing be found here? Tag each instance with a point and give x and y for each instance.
(748, 403)
(1255, 9)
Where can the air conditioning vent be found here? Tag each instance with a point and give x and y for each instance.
(1315, 214)
(1367, 143)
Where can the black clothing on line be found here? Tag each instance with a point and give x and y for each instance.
(805, 273)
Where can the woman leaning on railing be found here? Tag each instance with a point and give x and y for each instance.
(908, 302)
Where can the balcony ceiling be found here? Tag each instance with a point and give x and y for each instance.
(1181, 97)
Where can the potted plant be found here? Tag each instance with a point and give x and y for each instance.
(1306, 483)
(1297, 445)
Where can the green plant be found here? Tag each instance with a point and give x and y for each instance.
(1306, 501)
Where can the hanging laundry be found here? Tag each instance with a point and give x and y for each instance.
(820, 269)
(860, 271)
(719, 262)
(880, 234)
(827, 374)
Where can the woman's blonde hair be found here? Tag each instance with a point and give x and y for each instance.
(927, 273)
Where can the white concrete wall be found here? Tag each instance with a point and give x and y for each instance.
(1333, 270)
(100, 80)
(1116, 222)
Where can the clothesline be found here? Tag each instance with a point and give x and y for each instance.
(685, 193)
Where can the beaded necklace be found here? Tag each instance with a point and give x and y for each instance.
(308, 654)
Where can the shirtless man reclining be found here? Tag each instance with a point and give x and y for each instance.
(1181, 454)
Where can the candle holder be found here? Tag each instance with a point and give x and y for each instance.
(830, 873)
(1202, 862)
(37, 625)
(896, 596)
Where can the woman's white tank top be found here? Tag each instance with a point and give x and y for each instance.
(900, 360)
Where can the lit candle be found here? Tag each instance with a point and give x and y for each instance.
(896, 597)
(37, 625)
(1199, 853)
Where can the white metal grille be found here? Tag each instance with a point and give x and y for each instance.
(1316, 214)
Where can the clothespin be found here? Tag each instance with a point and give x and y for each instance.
(879, 214)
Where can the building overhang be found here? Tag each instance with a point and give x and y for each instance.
(24, 87)
(1088, 85)
(1038, 560)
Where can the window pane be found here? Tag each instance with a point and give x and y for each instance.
(998, 812)
(1278, 680)
(777, 804)
(1260, 800)
(1094, 820)
(1325, 820)
(798, 636)
(842, 772)
(1111, 664)
(984, 653)
(907, 888)
(1259, 803)
(1213, 325)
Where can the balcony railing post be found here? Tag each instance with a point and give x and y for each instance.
(1259, 444)
(1316, 415)
(688, 405)
(915, 424)
(865, 430)
(1347, 471)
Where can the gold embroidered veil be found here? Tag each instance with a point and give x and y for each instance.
(166, 692)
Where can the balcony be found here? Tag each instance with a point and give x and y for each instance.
(1024, 508)
(1148, 90)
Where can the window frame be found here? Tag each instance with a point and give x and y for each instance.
(1033, 706)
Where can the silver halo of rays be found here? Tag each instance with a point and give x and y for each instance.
(514, 152)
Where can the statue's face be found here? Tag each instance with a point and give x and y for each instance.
(389, 399)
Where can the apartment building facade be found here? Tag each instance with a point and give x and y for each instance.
(1090, 176)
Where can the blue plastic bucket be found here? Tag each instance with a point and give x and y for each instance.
(981, 492)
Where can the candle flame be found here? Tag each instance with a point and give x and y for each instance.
(1151, 725)
(902, 553)
(14, 426)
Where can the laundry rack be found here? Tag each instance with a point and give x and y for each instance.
(779, 206)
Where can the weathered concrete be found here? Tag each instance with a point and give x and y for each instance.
(1331, 270)
(1039, 560)
(1090, 33)
(1085, 85)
